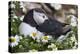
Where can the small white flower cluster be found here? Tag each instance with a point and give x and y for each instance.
(16, 17)
(14, 40)
(22, 17)
(73, 39)
(34, 35)
(46, 38)
(39, 37)
(12, 5)
(52, 46)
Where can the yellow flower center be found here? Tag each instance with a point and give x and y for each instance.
(12, 39)
(34, 34)
(45, 37)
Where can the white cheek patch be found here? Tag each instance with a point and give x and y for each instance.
(38, 17)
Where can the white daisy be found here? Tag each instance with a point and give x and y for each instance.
(21, 18)
(52, 46)
(34, 35)
(45, 38)
(12, 5)
(14, 40)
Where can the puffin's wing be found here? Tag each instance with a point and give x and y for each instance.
(49, 26)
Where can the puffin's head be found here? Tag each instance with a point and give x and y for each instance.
(35, 17)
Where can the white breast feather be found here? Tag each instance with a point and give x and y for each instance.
(26, 29)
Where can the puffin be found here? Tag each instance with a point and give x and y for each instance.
(37, 20)
(32, 19)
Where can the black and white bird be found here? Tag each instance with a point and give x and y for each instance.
(37, 20)
(31, 20)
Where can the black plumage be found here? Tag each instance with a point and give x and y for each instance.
(53, 27)
(29, 17)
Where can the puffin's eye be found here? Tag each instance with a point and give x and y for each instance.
(43, 16)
